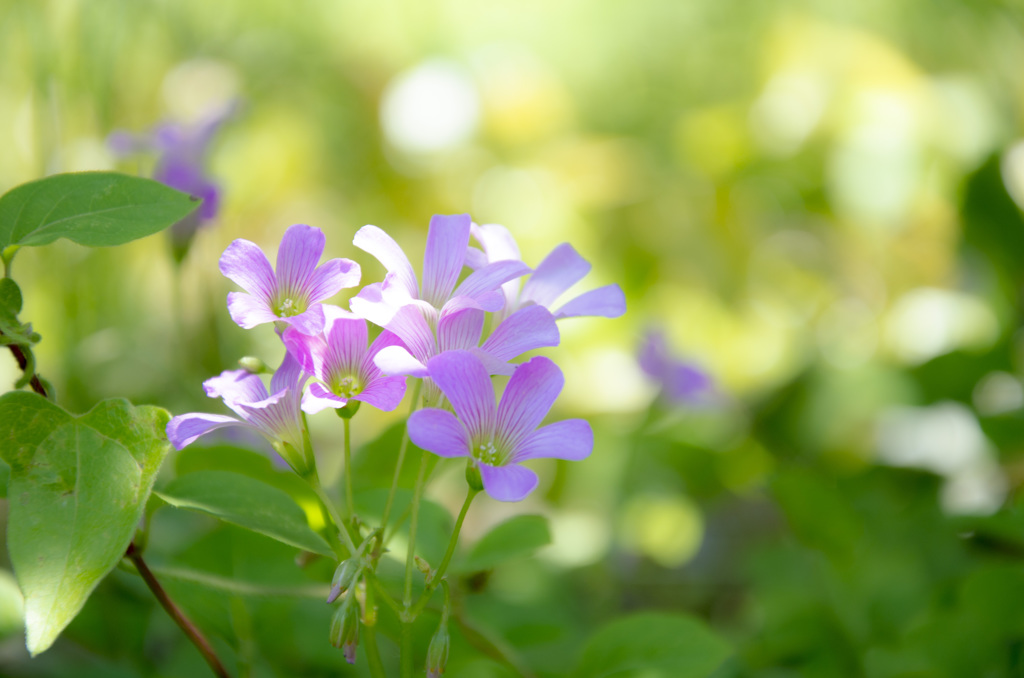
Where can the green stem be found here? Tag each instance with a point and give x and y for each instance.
(406, 657)
(226, 584)
(23, 360)
(370, 636)
(410, 555)
(8, 257)
(339, 524)
(371, 577)
(438, 576)
(401, 456)
(349, 501)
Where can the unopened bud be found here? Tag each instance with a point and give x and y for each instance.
(437, 653)
(473, 476)
(253, 365)
(349, 409)
(344, 574)
(345, 628)
(422, 565)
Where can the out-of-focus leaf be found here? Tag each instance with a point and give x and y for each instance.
(10, 299)
(816, 511)
(97, 209)
(515, 538)
(247, 503)
(653, 645)
(12, 605)
(79, 486)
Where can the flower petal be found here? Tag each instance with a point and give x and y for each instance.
(559, 271)
(459, 330)
(529, 395)
(370, 304)
(384, 249)
(607, 302)
(332, 277)
(248, 310)
(570, 439)
(491, 277)
(236, 386)
(397, 361)
(412, 328)
(497, 241)
(288, 375)
(317, 398)
(384, 393)
(369, 369)
(308, 351)
(309, 322)
(438, 431)
(297, 258)
(525, 330)
(447, 240)
(508, 483)
(244, 263)
(463, 379)
(183, 430)
(346, 344)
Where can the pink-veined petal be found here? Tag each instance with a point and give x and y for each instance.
(346, 343)
(183, 430)
(570, 439)
(475, 258)
(525, 330)
(308, 351)
(559, 271)
(529, 395)
(508, 483)
(311, 321)
(332, 277)
(607, 302)
(493, 365)
(248, 311)
(384, 249)
(384, 393)
(297, 258)
(491, 277)
(369, 304)
(459, 330)
(497, 241)
(244, 263)
(447, 240)
(288, 375)
(317, 398)
(464, 380)
(438, 431)
(369, 369)
(412, 328)
(397, 361)
(236, 386)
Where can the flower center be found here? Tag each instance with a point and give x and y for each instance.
(289, 307)
(486, 452)
(346, 387)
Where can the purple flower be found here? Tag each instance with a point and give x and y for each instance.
(559, 271)
(274, 415)
(293, 294)
(681, 382)
(447, 244)
(341, 361)
(499, 438)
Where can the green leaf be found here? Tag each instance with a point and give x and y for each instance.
(653, 645)
(97, 209)
(517, 537)
(248, 503)
(77, 489)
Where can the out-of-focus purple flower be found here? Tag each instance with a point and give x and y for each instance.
(181, 164)
(559, 271)
(498, 438)
(275, 415)
(293, 294)
(438, 296)
(681, 382)
(344, 365)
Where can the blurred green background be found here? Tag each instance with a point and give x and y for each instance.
(819, 202)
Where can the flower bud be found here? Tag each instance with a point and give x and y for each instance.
(473, 476)
(345, 628)
(437, 653)
(349, 409)
(253, 365)
(422, 565)
(344, 575)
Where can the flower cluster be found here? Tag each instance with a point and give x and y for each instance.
(430, 327)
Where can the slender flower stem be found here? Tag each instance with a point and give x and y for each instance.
(371, 578)
(370, 637)
(438, 576)
(183, 622)
(401, 456)
(339, 525)
(349, 501)
(410, 555)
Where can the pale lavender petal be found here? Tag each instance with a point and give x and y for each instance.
(346, 345)
(493, 365)
(529, 395)
(438, 431)
(571, 439)
(183, 430)
(463, 379)
(297, 258)
(447, 240)
(309, 322)
(653, 356)
(236, 386)
(525, 330)
(491, 277)
(368, 368)
(397, 361)
(508, 483)
(475, 258)
(317, 398)
(332, 277)
(460, 330)
(411, 327)
(370, 304)
(244, 263)
(289, 375)
(384, 393)
(383, 247)
(249, 311)
(273, 417)
(308, 351)
(559, 271)
(607, 302)
(497, 242)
